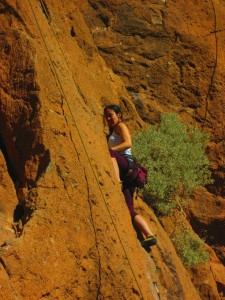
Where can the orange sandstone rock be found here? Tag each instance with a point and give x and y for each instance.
(66, 246)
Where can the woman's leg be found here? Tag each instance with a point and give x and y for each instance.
(116, 168)
(121, 161)
(141, 224)
(138, 220)
(129, 200)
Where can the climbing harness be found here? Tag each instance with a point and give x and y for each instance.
(79, 133)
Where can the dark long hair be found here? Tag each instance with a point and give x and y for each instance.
(117, 110)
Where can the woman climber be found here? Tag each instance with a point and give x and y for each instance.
(119, 142)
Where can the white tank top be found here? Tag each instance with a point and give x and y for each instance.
(115, 140)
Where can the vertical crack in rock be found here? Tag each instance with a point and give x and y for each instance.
(89, 202)
(4, 266)
(21, 138)
(96, 241)
(16, 294)
(44, 163)
(12, 172)
(214, 68)
(16, 214)
(178, 292)
(220, 286)
(70, 133)
(92, 220)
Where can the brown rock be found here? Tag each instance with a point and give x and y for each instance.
(68, 247)
(206, 214)
(175, 282)
(66, 244)
(170, 57)
(209, 278)
(8, 202)
(206, 276)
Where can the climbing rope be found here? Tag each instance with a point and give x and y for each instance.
(46, 12)
(80, 136)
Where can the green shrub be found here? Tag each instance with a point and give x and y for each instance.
(190, 248)
(176, 159)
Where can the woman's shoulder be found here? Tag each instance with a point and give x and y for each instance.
(121, 127)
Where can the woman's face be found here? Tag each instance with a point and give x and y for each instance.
(112, 118)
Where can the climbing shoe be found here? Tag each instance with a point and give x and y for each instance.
(149, 241)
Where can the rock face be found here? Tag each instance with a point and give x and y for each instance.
(170, 57)
(65, 231)
(8, 202)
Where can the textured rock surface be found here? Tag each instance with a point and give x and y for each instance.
(208, 278)
(8, 202)
(175, 282)
(170, 57)
(57, 238)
